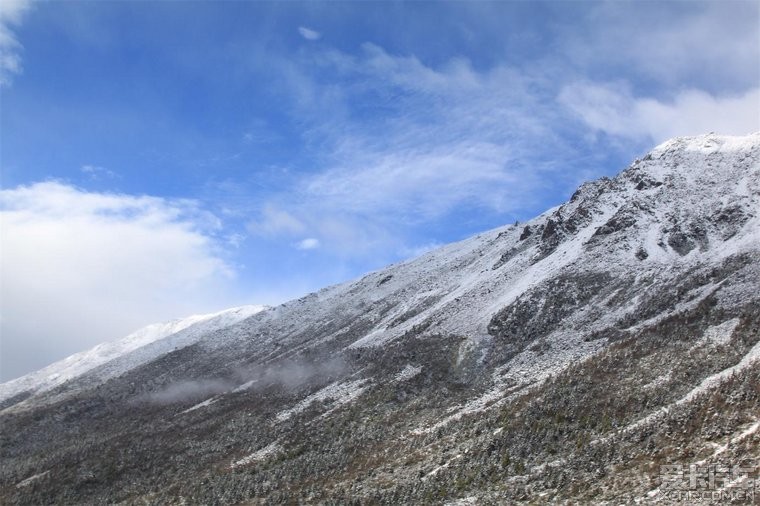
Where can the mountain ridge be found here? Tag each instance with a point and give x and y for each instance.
(465, 374)
(80, 363)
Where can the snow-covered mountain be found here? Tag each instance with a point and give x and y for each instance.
(561, 359)
(127, 353)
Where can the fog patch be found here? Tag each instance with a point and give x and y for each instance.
(290, 374)
(287, 374)
(188, 390)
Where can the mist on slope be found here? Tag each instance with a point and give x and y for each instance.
(288, 374)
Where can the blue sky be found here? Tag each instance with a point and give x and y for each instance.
(165, 158)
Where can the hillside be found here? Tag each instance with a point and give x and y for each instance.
(561, 359)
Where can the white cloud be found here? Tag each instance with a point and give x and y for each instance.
(96, 172)
(613, 109)
(308, 243)
(11, 14)
(79, 268)
(308, 33)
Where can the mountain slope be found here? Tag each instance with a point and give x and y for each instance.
(560, 359)
(138, 347)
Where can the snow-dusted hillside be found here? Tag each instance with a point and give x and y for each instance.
(689, 202)
(618, 330)
(162, 338)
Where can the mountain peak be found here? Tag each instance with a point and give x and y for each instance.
(709, 143)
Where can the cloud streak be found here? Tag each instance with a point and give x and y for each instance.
(309, 34)
(11, 15)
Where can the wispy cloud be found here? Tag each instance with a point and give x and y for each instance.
(437, 140)
(11, 15)
(275, 221)
(117, 261)
(95, 172)
(309, 34)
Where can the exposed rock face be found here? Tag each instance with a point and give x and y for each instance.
(562, 360)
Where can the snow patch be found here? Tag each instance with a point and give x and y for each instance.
(408, 373)
(751, 429)
(339, 393)
(721, 334)
(207, 402)
(258, 455)
(438, 469)
(31, 479)
(752, 356)
(245, 386)
(464, 501)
